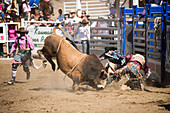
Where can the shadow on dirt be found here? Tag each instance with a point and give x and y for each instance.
(166, 106)
(46, 89)
(16, 82)
(156, 91)
(63, 89)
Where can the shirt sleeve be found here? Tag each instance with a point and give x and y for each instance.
(14, 46)
(30, 42)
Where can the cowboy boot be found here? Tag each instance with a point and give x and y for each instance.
(12, 81)
(28, 75)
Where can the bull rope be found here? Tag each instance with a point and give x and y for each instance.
(74, 67)
(59, 45)
(76, 63)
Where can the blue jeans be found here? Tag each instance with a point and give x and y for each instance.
(1, 49)
(85, 46)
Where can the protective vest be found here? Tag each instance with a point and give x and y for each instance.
(139, 58)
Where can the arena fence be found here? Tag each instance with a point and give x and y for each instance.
(4, 35)
(104, 33)
(147, 40)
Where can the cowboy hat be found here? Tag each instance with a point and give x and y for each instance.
(84, 22)
(58, 21)
(15, 10)
(72, 11)
(22, 30)
(8, 17)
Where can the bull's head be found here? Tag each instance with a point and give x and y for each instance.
(102, 80)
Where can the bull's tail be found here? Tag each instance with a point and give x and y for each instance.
(57, 27)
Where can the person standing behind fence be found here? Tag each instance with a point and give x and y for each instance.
(111, 6)
(84, 36)
(26, 10)
(25, 46)
(12, 36)
(49, 19)
(42, 16)
(51, 5)
(84, 17)
(60, 16)
(74, 19)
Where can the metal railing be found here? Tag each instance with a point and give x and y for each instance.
(104, 34)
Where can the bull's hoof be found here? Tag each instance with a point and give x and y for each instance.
(44, 63)
(100, 87)
(53, 67)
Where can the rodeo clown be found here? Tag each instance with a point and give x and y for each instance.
(23, 57)
(124, 63)
(134, 64)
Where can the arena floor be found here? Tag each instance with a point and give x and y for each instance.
(47, 91)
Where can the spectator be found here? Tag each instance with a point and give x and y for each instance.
(72, 32)
(51, 5)
(61, 16)
(8, 7)
(33, 3)
(2, 6)
(74, 18)
(2, 15)
(31, 24)
(23, 57)
(42, 16)
(32, 16)
(111, 6)
(26, 10)
(8, 18)
(12, 36)
(66, 19)
(84, 17)
(1, 50)
(13, 13)
(49, 19)
(84, 36)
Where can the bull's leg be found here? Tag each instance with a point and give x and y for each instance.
(76, 80)
(49, 58)
(46, 52)
(42, 57)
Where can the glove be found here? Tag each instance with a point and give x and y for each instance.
(148, 74)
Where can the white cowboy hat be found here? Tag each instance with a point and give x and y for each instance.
(72, 11)
(8, 17)
(32, 20)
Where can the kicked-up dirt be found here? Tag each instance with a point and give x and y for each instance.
(48, 91)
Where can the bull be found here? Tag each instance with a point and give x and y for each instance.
(80, 67)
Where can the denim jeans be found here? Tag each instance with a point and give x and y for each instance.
(1, 49)
(85, 46)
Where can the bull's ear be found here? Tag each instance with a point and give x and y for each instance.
(103, 75)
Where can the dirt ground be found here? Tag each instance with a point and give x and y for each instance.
(47, 91)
